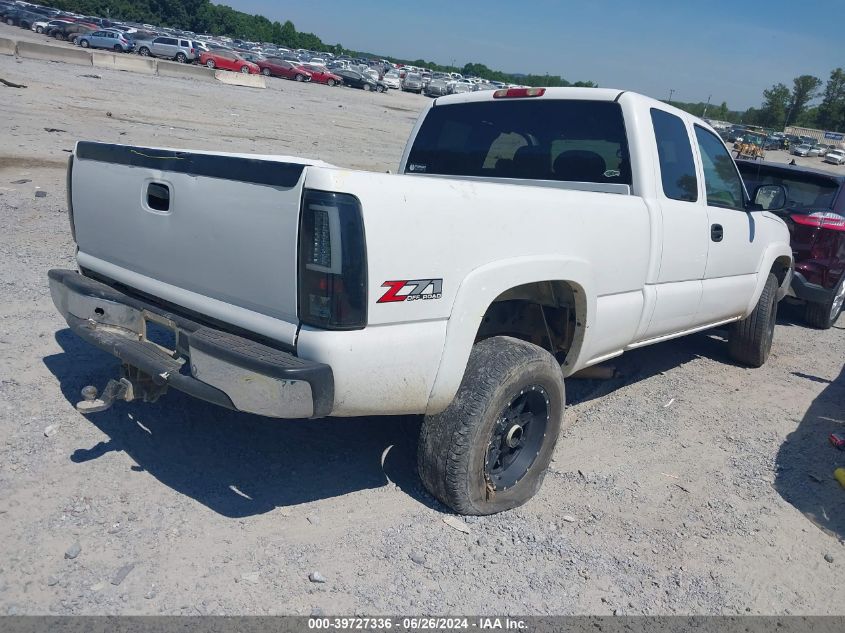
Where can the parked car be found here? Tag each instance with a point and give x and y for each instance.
(412, 83)
(815, 215)
(835, 157)
(437, 88)
(45, 26)
(71, 32)
(392, 80)
(112, 40)
(229, 60)
(280, 67)
(300, 307)
(460, 86)
(355, 79)
(803, 149)
(176, 48)
(322, 75)
(22, 18)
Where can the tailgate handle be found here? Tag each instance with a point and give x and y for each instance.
(158, 196)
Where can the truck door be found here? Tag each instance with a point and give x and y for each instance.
(684, 230)
(735, 246)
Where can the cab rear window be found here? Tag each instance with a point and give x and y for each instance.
(548, 139)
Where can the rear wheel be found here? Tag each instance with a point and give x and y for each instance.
(824, 315)
(210, 63)
(750, 340)
(181, 58)
(265, 72)
(367, 87)
(83, 43)
(118, 48)
(144, 51)
(489, 450)
(10, 22)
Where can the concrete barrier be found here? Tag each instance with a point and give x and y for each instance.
(31, 50)
(7, 47)
(183, 71)
(125, 61)
(240, 79)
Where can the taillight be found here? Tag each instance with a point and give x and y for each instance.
(506, 93)
(820, 220)
(332, 262)
(69, 188)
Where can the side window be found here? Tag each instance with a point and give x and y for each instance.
(677, 167)
(721, 180)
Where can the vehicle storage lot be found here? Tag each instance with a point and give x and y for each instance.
(688, 485)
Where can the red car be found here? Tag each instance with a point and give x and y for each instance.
(227, 60)
(815, 215)
(278, 67)
(323, 75)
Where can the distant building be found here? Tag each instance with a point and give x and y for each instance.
(819, 135)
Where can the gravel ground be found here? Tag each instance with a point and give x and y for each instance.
(688, 485)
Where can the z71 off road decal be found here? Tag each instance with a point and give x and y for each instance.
(412, 290)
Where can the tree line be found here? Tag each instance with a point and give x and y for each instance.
(201, 16)
(783, 106)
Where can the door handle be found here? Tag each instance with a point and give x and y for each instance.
(716, 232)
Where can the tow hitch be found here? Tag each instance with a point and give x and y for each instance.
(133, 384)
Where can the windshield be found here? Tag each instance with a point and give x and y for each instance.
(805, 191)
(550, 139)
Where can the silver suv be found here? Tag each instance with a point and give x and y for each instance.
(175, 48)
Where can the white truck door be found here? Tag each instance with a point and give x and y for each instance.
(684, 225)
(735, 246)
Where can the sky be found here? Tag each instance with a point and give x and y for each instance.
(730, 50)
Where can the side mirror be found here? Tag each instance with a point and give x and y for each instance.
(768, 198)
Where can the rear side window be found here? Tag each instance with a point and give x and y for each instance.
(677, 167)
(530, 139)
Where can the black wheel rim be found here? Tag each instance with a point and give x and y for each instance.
(517, 437)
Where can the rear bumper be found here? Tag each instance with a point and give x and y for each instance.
(803, 289)
(208, 363)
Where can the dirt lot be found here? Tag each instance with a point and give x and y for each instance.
(689, 485)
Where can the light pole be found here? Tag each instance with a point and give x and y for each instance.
(704, 114)
(671, 92)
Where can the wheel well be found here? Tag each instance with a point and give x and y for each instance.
(551, 314)
(780, 268)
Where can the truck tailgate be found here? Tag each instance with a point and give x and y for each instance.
(214, 233)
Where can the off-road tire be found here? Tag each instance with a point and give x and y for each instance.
(453, 444)
(750, 340)
(820, 315)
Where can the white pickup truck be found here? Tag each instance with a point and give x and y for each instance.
(528, 234)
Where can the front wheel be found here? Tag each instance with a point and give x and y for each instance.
(824, 315)
(330, 82)
(300, 78)
(380, 89)
(750, 340)
(245, 70)
(489, 450)
(39, 29)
